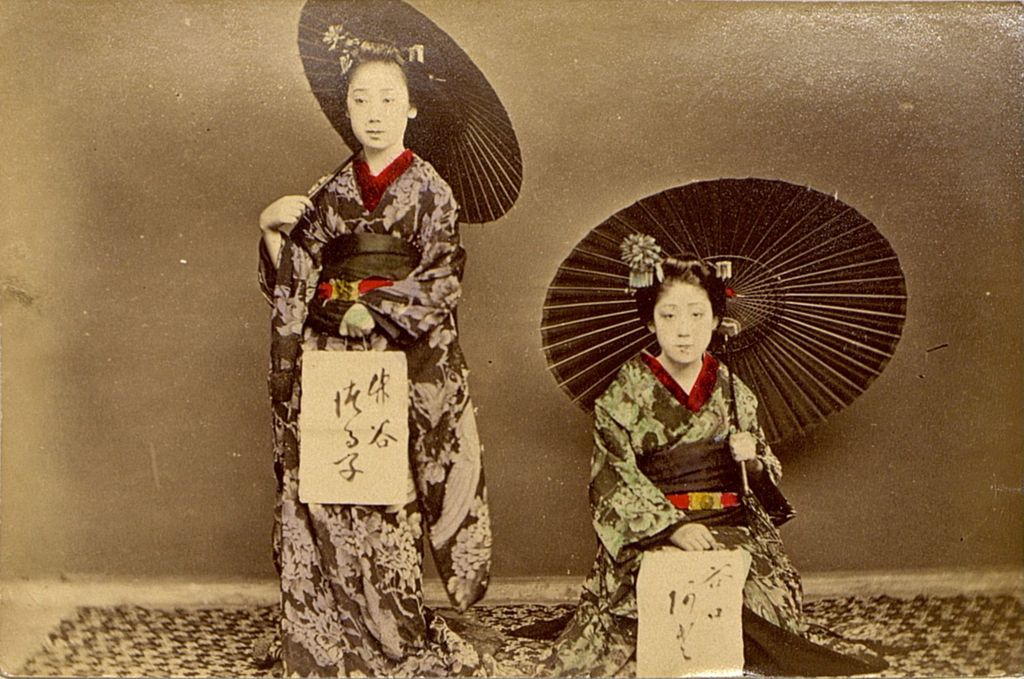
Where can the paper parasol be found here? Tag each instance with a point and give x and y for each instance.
(819, 293)
(461, 128)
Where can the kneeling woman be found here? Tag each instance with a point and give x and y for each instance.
(662, 431)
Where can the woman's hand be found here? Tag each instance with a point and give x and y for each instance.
(284, 212)
(743, 447)
(693, 537)
(357, 321)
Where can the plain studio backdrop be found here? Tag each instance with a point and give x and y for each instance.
(141, 140)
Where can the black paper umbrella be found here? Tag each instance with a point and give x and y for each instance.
(819, 294)
(461, 127)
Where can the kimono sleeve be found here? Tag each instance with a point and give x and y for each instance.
(628, 509)
(267, 272)
(746, 409)
(310, 236)
(423, 299)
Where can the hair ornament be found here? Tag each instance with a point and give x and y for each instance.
(337, 38)
(415, 53)
(728, 326)
(642, 255)
(723, 270)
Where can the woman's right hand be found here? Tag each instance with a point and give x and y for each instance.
(357, 321)
(693, 537)
(284, 212)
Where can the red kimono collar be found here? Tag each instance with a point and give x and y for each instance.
(372, 187)
(702, 388)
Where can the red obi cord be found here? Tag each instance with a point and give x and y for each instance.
(372, 283)
(350, 291)
(371, 186)
(704, 500)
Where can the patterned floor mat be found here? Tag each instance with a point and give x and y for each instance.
(920, 637)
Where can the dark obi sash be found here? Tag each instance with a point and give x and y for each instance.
(352, 258)
(707, 466)
(701, 466)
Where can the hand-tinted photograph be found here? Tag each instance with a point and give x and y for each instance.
(511, 338)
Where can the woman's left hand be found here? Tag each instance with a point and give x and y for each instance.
(357, 321)
(743, 446)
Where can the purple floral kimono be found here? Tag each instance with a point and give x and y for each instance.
(351, 575)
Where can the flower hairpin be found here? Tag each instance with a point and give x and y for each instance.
(337, 38)
(642, 255)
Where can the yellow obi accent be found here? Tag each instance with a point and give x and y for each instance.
(708, 500)
(347, 291)
(705, 500)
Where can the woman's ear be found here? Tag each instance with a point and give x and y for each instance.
(412, 112)
(650, 326)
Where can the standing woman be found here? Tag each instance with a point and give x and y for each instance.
(375, 264)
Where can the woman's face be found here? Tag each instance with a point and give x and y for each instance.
(378, 106)
(683, 323)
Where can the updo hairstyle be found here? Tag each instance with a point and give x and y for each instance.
(684, 268)
(367, 52)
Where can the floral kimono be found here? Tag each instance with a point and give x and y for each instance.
(643, 415)
(351, 575)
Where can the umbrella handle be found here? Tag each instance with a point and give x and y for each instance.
(734, 411)
(743, 475)
(319, 186)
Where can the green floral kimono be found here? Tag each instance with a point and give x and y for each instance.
(643, 411)
(351, 576)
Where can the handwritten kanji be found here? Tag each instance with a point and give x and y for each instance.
(718, 575)
(378, 386)
(681, 636)
(688, 598)
(349, 473)
(351, 396)
(352, 441)
(380, 438)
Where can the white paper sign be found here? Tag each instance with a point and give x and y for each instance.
(689, 606)
(354, 428)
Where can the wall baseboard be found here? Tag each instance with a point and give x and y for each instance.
(91, 591)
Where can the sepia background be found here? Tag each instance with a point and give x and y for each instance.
(141, 140)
